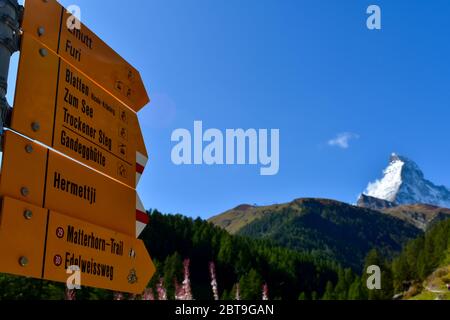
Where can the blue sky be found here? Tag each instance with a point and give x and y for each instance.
(309, 68)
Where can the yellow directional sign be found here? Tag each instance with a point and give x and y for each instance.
(52, 25)
(40, 176)
(81, 120)
(43, 244)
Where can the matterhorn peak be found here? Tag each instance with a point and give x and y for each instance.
(395, 157)
(403, 182)
(408, 165)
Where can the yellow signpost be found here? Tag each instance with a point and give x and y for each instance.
(48, 22)
(72, 159)
(81, 120)
(37, 175)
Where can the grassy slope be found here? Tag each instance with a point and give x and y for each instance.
(331, 229)
(420, 215)
(437, 282)
(435, 286)
(235, 219)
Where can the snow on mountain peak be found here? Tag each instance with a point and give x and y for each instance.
(388, 187)
(404, 183)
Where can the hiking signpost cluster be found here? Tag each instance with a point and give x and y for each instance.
(73, 154)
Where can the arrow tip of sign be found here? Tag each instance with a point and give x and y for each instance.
(143, 99)
(144, 262)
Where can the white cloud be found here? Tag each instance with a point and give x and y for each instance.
(342, 140)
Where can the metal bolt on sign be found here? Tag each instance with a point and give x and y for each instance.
(25, 192)
(23, 261)
(43, 52)
(35, 126)
(28, 214)
(41, 31)
(29, 148)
